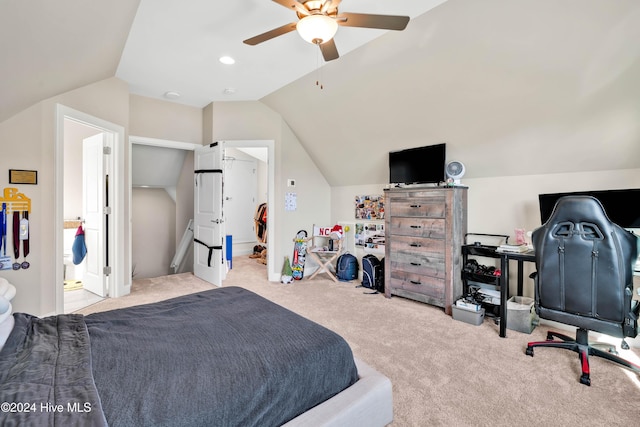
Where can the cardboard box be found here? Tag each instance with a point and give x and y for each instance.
(468, 316)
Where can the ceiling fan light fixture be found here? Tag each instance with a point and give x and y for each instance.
(317, 29)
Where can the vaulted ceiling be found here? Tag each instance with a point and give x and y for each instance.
(512, 87)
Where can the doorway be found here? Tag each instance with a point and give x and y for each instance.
(161, 204)
(72, 128)
(264, 151)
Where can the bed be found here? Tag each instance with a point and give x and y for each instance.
(223, 357)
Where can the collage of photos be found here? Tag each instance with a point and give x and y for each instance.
(370, 236)
(370, 207)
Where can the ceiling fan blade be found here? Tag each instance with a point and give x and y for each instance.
(326, 5)
(293, 4)
(383, 22)
(271, 34)
(329, 50)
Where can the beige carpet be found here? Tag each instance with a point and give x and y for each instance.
(444, 372)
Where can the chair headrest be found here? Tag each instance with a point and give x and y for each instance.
(579, 209)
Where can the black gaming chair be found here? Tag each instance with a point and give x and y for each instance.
(584, 278)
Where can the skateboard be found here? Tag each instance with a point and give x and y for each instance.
(299, 254)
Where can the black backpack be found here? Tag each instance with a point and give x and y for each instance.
(347, 267)
(373, 273)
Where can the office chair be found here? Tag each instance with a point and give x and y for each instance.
(584, 278)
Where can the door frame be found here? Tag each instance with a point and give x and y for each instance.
(119, 283)
(153, 142)
(272, 274)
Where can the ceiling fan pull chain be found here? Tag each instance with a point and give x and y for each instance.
(319, 70)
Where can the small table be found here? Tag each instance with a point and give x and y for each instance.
(505, 257)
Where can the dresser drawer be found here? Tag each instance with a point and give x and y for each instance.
(418, 227)
(417, 246)
(418, 207)
(430, 287)
(418, 263)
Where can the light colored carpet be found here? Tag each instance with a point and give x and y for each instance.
(444, 372)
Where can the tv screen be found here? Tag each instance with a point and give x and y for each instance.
(421, 165)
(621, 206)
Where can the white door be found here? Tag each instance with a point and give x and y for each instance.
(94, 205)
(240, 195)
(208, 218)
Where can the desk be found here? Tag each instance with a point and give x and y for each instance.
(505, 258)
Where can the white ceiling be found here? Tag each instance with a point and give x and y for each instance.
(50, 47)
(176, 46)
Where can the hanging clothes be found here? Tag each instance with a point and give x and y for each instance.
(79, 248)
(260, 219)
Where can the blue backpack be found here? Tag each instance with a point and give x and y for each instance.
(373, 273)
(347, 267)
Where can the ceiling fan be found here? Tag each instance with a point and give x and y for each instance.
(319, 21)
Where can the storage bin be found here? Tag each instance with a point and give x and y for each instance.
(468, 316)
(521, 315)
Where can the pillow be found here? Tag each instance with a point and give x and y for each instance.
(7, 292)
(7, 289)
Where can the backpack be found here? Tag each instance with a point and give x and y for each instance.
(373, 273)
(347, 267)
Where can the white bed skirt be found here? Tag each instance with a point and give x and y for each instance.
(367, 403)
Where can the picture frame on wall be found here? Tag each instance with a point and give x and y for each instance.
(20, 176)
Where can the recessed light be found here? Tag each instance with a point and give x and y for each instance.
(172, 95)
(229, 91)
(227, 60)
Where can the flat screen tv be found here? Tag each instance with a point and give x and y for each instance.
(621, 206)
(421, 165)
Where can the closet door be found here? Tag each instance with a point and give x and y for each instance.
(208, 220)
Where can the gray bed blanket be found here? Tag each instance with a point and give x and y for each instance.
(46, 376)
(225, 357)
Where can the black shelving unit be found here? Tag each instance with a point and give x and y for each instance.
(501, 282)
(481, 279)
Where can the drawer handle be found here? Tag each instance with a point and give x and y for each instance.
(416, 206)
(416, 245)
(417, 264)
(415, 282)
(416, 226)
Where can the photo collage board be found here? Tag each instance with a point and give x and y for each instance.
(369, 235)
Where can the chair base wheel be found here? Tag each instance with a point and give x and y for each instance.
(529, 351)
(584, 379)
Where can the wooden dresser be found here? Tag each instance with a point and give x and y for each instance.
(424, 233)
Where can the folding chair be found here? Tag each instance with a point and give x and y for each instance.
(324, 249)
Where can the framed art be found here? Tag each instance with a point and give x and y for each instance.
(19, 176)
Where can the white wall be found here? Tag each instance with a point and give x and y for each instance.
(153, 232)
(169, 121)
(184, 208)
(499, 205)
(255, 121)
(28, 142)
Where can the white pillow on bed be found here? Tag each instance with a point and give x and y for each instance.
(7, 292)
